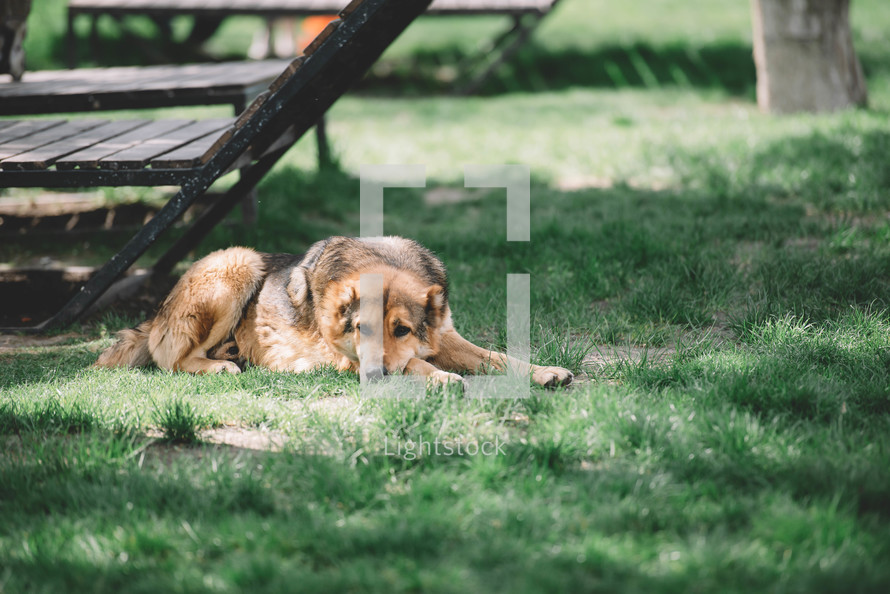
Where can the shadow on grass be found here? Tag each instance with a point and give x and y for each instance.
(93, 510)
(724, 455)
(793, 226)
(266, 521)
(42, 368)
(726, 66)
(840, 169)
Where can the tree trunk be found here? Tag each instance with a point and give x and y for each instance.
(803, 51)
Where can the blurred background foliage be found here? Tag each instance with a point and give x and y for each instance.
(592, 43)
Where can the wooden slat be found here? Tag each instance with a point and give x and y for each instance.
(203, 76)
(288, 72)
(140, 155)
(89, 158)
(194, 153)
(350, 8)
(46, 136)
(4, 124)
(21, 128)
(322, 37)
(251, 109)
(137, 87)
(46, 155)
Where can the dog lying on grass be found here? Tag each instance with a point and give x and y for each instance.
(294, 314)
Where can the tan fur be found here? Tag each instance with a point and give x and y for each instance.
(130, 350)
(296, 315)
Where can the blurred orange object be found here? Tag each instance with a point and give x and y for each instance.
(311, 27)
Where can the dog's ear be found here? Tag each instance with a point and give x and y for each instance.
(348, 297)
(298, 286)
(434, 297)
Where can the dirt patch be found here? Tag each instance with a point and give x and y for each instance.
(584, 182)
(602, 364)
(607, 356)
(806, 244)
(332, 404)
(246, 438)
(438, 196)
(261, 439)
(12, 342)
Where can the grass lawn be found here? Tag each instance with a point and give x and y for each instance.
(718, 279)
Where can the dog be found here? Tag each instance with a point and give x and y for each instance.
(291, 313)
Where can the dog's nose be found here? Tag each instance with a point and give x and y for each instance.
(375, 374)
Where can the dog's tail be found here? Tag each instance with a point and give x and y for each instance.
(130, 350)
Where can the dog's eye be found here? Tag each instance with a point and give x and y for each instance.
(401, 331)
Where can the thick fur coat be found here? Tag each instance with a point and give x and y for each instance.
(294, 314)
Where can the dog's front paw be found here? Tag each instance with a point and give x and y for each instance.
(223, 367)
(444, 378)
(551, 377)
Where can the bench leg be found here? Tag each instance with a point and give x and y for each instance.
(250, 204)
(117, 265)
(95, 50)
(249, 208)
(502, 49)
(71, 42)
(263, 44)
(151, 49)
(324, 149)
(175, 207)
(250, 177)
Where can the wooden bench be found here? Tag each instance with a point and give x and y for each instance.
(525, 15)
(137, 87)
(194, 154)
(145, 87)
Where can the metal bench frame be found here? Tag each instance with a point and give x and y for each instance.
(261, 136)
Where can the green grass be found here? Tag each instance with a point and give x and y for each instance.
(718, 277)
(179, 421)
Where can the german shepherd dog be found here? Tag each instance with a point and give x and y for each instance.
(291, 314)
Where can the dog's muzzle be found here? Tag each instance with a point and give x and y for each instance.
(375, 374)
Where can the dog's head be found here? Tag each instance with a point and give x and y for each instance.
(383, 318)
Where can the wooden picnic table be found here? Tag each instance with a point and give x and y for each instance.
(133, 87)
(208, 14)
(88, 152)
